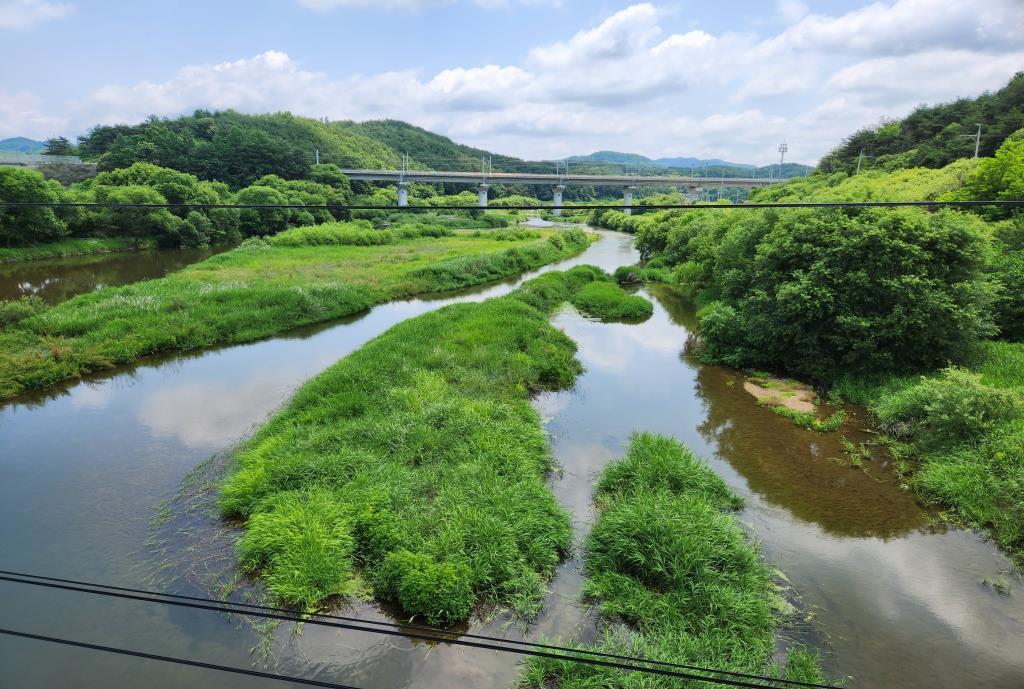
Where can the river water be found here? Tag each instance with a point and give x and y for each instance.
(892, 600)
(56, 280)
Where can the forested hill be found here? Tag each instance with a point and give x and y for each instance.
(234, 148)
(934, 136)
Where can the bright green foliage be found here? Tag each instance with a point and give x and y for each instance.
(952, 408)
(251, 292)
(609, 302)
(357, 232)
(933, 136)
(304, 542)
(69, 247)
(1007, 272)
(966, 432)
(824, 291)
(427, 436)
(234, 148)
(666, 559)
(438, 592)
(28, 225)
(633, 275)
(1000, 178)
(14, 310)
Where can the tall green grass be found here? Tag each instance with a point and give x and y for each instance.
(71, 247)
(253, 291)
(958, 435)
(609, 302)
(355, 233)
(415, 468)
(673, 576)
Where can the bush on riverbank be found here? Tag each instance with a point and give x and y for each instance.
(609, 302)
(433, 459)
(355, 233)
(71, 247)
(673, 575)
(958, 436)
(250, 292)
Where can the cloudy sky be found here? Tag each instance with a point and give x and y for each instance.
(533, 78)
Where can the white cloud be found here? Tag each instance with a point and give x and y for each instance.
(24, 14)
(625, 83)
(328, 5)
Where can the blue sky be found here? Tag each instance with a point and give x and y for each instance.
(533, 78)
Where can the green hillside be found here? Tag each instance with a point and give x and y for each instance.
(934, 136)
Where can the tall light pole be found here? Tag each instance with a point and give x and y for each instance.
(783, 147)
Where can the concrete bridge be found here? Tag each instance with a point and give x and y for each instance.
(558, 182)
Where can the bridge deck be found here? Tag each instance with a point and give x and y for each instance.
(553, 179)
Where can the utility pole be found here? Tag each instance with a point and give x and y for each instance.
(860, 159)
(318, 156)
(977, 141)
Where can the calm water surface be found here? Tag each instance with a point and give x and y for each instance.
(59, 279)
(892, 601)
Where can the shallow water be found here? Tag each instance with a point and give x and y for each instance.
(893, 602)
(59, 279)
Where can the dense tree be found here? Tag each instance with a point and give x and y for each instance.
(58, 146)
(933, 136)
(32, 224)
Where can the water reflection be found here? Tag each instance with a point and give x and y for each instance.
(57, 280)
(82, 468)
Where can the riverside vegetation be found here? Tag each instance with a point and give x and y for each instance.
(264, 286)
(414, 469)
(897, 309)
(673, 576)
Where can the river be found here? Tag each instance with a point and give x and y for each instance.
(58, 279)
(892, 599)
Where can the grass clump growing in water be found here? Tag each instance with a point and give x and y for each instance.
(609, 302)
(673, 575)
(417, 464)
(253, 291)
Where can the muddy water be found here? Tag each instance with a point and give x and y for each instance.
(59, 279)
(892, 601)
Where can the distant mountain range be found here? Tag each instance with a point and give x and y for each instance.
(637, 159)
(20, 144)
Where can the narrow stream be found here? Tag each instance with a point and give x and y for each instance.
(58, 279)
(892, 601)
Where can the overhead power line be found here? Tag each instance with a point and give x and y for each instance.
(581, 206)
(177, 661)
(727, 677)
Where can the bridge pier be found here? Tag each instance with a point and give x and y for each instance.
(557, 199)
(403, 194)
(627, 199)
(481, 194)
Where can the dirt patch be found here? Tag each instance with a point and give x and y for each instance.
(776, 392)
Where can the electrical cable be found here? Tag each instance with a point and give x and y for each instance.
(177, 661)
(432, 630)
(581, 206)
(222, 606)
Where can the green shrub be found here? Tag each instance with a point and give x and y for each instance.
(609, 302)
(665, 559)
(303, 543)
(14, 310)
(438, 592)
(952, 408)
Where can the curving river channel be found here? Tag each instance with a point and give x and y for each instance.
(891, 598)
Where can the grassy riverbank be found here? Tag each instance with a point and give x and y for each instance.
(673, 575)
(71, 247)
(414, 469)
(253, 291)
(958, 436)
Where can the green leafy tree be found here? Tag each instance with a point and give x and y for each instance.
(29, 225)
(58, 146)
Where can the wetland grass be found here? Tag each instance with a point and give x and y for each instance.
(414, 469)
(673, 576)
(254, 291)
